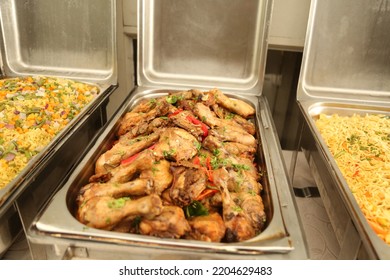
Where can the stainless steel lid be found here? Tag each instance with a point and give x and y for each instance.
(65, 38)
(203, 44)
(347, 51)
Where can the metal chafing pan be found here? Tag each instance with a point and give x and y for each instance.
(177, 50)
(344, 71)
(281, 239)
(354, 234)
(36, 40)
(10, 229)
(15, 187)
(43, 174)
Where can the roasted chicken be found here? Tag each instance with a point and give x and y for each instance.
(182, 166)
(209, 228)
(106, 211)
(237, 106)
(171, 223)
(142, 121)
(187, 185)
(126, 147)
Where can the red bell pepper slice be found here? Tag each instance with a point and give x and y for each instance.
(196, 160)
(130, 159)
(178, 111)
(134, 157)
(198, 122)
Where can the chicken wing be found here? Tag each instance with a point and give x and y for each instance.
(235, 105)
(228, 149)
(208, 117)
(226, 134)
(222, 113)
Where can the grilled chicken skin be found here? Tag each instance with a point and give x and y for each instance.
(183, 119)
(123, 149)
(235, 105)
(239, 227)
(133, 121)
(136, 187)
(205, 114)
(229, 149)
(253, 207)
(105, 212)
(222, 113)
(188, 183)
(170, 223)
(143, 166)
(176, 144)
(210, 228)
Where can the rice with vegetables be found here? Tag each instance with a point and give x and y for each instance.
(33, 110)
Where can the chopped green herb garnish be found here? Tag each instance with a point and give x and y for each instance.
(194, 209)
(240, 167)
(197, 145)
(117, 203)
(216, 152)
(169, 154)
(229, 116)
(171, 99)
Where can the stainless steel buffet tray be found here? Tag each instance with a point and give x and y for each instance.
(356, 237)
(16, 186)
(65, 39)
(10, 229)
(344, 71)
(178, 50)
(57, 47)
(281, 239)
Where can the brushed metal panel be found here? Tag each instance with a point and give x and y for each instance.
(74, 39)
